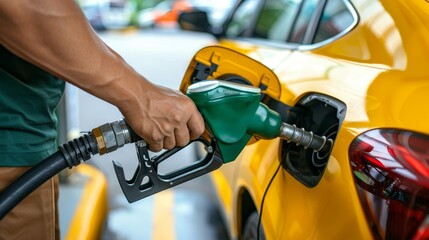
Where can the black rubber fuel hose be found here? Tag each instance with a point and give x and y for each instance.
(69, 155)
(29, 181)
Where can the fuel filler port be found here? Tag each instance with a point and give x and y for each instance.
(323, 116)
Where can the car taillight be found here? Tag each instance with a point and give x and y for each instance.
(391, 172)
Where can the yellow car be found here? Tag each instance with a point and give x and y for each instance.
(355, 71)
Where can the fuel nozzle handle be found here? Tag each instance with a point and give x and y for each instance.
(234, 114)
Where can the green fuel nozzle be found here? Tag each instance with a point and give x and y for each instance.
(234, 114)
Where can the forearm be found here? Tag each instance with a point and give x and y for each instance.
(55, 36)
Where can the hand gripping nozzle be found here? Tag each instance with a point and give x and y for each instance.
(148, 179)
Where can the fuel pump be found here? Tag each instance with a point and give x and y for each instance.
(233, 114)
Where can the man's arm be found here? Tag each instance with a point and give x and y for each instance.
(56, 36)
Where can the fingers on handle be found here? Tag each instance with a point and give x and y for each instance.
(170, 142)
(196, 125)
(155, 147)
(182, 136)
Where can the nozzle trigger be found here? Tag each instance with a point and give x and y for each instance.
(147, 180)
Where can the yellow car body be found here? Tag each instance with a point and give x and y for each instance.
(379, 68)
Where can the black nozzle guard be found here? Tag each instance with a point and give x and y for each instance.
(147, 181)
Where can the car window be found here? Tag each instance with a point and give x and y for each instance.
(303, 21)
(241, 19)
(276, 19)
(336, 18)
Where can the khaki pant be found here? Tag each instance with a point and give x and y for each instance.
(36, 217)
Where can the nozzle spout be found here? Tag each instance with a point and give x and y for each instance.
(301, 137)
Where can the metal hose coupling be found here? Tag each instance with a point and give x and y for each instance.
(301, 137)
(111, 136)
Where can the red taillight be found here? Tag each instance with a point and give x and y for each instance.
(391, 172)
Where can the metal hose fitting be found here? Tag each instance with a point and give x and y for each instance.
(111, 136)
(301, 137)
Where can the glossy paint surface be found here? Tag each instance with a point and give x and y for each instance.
(380, 70)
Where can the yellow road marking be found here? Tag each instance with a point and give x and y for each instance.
(92, 208)
(163, 222)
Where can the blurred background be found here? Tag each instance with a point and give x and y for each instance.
(145, 34)
(118, 14)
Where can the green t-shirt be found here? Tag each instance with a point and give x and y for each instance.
(28, 122)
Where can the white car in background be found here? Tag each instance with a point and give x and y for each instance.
(108, 14)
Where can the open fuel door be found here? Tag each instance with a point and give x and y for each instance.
(219, 63)
(314, 113)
